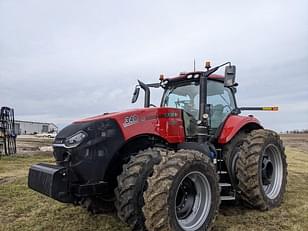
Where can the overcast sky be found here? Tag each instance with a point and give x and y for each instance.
(64, 60)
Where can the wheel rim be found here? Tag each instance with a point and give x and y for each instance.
(193, 201)
(271, 171)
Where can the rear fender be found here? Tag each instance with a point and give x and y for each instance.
(234, 124)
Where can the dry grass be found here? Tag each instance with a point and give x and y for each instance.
(23, 209)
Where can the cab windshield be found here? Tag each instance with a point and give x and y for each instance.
(186, 97)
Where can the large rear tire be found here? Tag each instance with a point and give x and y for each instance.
(132, 183)
(231, 153)
(182, 194)
(262, 170)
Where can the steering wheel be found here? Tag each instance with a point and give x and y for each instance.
(184, 102)
(226, 107)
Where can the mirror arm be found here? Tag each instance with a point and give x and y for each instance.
(146, 93)
(136, 94)
(155, 85)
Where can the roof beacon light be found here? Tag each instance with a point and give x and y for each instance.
(161, 77)
(207, 64)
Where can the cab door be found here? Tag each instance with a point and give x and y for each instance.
(221, 102)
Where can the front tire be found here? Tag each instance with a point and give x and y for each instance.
(262, 170)
(132, 183)
(183, 193)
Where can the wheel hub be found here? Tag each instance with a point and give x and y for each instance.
(267, 170)
(185, 199)
(193, 201)
(271, 171)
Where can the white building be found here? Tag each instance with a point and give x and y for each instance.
(30, 128)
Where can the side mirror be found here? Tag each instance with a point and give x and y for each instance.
(136, 94)
(230, 76)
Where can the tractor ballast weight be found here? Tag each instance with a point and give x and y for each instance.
(113, 156)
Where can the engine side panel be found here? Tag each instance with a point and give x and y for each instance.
(233, 124)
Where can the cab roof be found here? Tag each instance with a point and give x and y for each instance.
(188, 77)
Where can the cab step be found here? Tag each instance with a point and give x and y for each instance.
(227, 198)
(224, 184)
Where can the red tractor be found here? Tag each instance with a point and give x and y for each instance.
(169, 167)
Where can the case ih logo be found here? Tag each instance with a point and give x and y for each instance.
(130, 120)
(168, 115)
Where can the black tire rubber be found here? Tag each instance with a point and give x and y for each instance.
(249, 169)
(132, 183)
(162, 187)
(230, 155)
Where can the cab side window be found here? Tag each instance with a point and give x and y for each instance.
(222, 103)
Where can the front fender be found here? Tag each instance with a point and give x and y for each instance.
(234, 124)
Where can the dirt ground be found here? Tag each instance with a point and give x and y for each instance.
(30, 144)
(24, 209)
(297, 141)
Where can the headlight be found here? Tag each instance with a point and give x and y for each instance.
(74, 140)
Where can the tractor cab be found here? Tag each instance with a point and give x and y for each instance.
(205, 98)
(220, 101)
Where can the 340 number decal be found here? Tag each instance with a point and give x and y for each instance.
(130, 120)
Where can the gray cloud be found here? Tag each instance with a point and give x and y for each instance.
(63, 60)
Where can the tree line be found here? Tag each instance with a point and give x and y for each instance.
(297, 131)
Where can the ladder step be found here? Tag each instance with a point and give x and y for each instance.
(227, 198)
(222, 172)
(224, 184)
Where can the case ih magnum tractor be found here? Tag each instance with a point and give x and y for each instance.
(169, 167)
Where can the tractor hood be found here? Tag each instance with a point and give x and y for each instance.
(84, 124)
(99, 138)
(132, 123)
(111, 115)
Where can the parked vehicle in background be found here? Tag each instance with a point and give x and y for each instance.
(46, 135)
